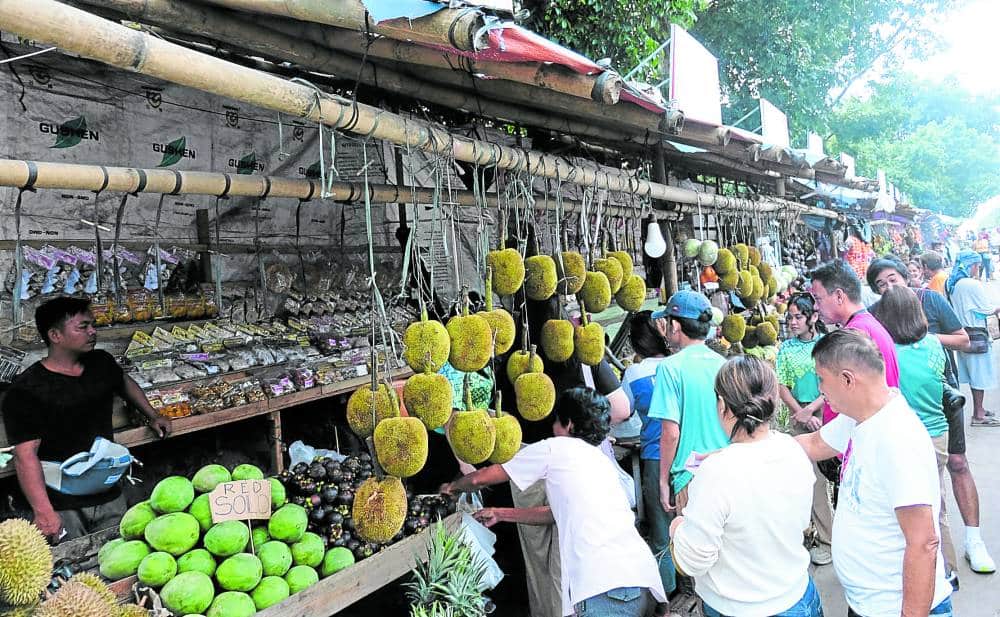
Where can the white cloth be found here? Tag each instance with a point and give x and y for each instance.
(741, 538)
(889, 464)
(600, 548)
(972, 301)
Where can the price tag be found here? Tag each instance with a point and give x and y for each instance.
(241, 500)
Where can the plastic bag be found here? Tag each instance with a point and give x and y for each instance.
(301, 453)
(481, 542)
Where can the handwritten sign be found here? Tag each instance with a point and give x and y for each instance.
(240, 501)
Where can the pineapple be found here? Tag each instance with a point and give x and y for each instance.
(448, 585)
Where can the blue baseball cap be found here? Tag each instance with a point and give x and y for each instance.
(686, 304)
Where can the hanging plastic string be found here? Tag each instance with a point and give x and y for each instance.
(325, 183)
(388, 340)
(20, 286)
(99, 246)
(408, 251)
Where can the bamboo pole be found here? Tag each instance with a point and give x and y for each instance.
(455, 28)
(90, 36)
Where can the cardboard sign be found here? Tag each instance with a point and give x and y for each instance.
(241, 500)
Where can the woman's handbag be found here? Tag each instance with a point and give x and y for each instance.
(979, 339)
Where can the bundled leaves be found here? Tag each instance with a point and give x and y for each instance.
(448, 585)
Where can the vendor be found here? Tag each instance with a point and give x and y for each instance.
(58, 406)
(606, 567)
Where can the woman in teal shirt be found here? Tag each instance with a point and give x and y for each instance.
(921, 377)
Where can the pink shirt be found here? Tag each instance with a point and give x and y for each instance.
(866, 322)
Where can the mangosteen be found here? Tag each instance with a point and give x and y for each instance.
(315, 501)
(344, 509)
(317, 471)
(346, 497)
(317, 515)
(339, 542)
(300, 468)
(415, 509)
(298, 500)
(329, 494)
(412, 524)
(424, 522)
(349, 524)
(353, 545)
(335, 474)
(347, 536)
(333, 517)
(347, 477)
(344, 486)
(365, 457)
(364, 474)
(307, 487)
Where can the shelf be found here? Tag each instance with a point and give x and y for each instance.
(123, 331)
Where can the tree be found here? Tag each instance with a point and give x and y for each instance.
(802, 55)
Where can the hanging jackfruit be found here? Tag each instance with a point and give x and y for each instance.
(745, 286)
(765, 270)
(401, 446)
(766, 334)
(754, 255)
(428, 397)
(508, 438)
(557, 340)
(540, 277)
(501, 323)
(611, 268)
(708, 253)
(725, 262)
(521, 362)
(536, 396)
(572, 271)
(596, 292)
(729, 281)
(508, 271)
(734, 328)
(742, 253)
(632, 293)
(366, 402)
(25, 562)
(625, 260)
(588, 340)
(379, 509)
(472, 435)
(471, 342)
(425, 344)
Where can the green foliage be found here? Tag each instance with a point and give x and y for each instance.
(448, 584)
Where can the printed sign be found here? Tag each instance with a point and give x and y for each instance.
(241, 500)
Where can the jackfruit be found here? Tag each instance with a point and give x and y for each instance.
(691, 247)
(75, 600)
(241, 572)
(745, 287)
(758, 290)
(301, 577)
(772, 287)
(472, 436)
(521, 362)
(172, 494)
(401, 446)
(335, 560)
(773, 320)
(572, 272)
(765, 270)
(232, 604)
(198, 560)
(730, 280)
(508, 438)
(508, 271)
(380, 508)
(156, 569)
(368, 406)
(535, 396)
(227, 538)
(754, 255)
(201, 510)
(540, 277)
(625, 260)
(123, 560)
(188, 593)
(135, 519)
(596, 292)
(428, 397)
(612, 269)
(588, 340)
(733, 328)
(98, 586)
(210, 476)
(501, 323)
(742, 253)
(725, 262)
(247, 472)
(270, 591)
(175, 533)
(471, 342)
(425, 344)
(275, 558)
(766, 334)
(309, 550)
(632, 293)
(25, 562)
(288, 523)
(749, 338)
(708, 253)
(557, 340)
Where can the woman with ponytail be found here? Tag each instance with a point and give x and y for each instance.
(740, 536)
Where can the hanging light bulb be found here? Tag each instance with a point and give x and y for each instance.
(655, 245)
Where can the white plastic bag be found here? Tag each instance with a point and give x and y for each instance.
(481, 541)
(301, 453)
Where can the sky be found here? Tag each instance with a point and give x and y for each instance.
(972, 46)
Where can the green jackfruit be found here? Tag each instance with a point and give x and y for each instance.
(380, 508)
(365, 402)
(502, 328)
(765, 270)
(172, 494)
(275, 558)
(175, 533)
(729, 281)
(471, 343)
(426, 345)
(401, 446)
(625, 260)
(745, 287)
(772, 287)
(335, 560)
(588, 341)
(197, 560)
(232, 604)
(210, 476)
(572, 272)
(270, 591)
(428, 397)
(25, 562)
(535, 395)
(188, 593)
(309, 550)
(557, 340)
(612, 269)
(508, 438)
(596, 292)
(201, 510)
(632, 293)
(717, 316)
(754, 256)
(288, 523)
(156, 569)
(521, 362)
(758, 290)
(508, 271)
(742, 252)
(301, 577)
(725, 262)
(227, 538)
(135, 519)
(766, 334)
(472, 436)
(123, 560)
(241, 572)
(733, 328)
(107, 548)
(749, 338)
(540, 277)
(754, 271)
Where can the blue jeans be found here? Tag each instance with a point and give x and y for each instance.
(620, 602)
(809, 606)
(658, 524)
(944, 609)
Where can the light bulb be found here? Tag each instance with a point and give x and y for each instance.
(655, 246)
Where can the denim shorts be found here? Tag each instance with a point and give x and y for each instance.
(620, 602)
(809, 605)
(943, 610)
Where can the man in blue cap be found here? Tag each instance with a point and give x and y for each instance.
(684, 393)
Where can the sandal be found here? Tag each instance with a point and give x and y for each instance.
(986, 421)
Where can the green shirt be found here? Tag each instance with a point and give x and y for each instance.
(796, 369)
(684, 392)
(921, 375)
(480, 387)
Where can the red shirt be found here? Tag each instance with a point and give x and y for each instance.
(866, 322)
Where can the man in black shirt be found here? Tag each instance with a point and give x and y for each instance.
(58, 406)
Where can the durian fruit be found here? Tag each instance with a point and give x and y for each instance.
(754, 271)
(508, 271)
(734, 327)
(772, 286)
(379, 509)
(753, 254)
(625, 260)
(508, 436)
(428, 397)
(758, 290)
(557, 340)
(725, 262)
(522, 361)
(25, 562)
(471, 433)
(632, 293)
(766, 334)
(540, 277)
(97, 585)
(596, 292)
(708, 253)
(773, 319)
(749, 338)
(536, 396)
(132, 610)
(501, 323)
(25, 610)
(471, 341)
(367, 401)
(745, 286)
(588, 340)
(572, 271)
(729, 281)
(425, 344)
(401, 446)
(691, 247)
(75, 600)
(742, 253)
(612, 269)
(765, 270)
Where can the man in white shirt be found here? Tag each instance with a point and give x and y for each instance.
(885, 538)
(607, 568)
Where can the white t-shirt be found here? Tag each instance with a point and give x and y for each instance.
(890, 464)
(973, 301)
(741, 538)
(599, 547)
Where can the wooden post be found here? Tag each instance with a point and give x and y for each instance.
(278, 445)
